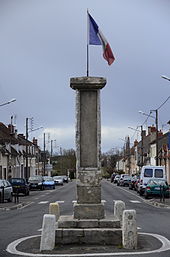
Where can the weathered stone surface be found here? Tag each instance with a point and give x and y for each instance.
(48, 232)
(119, 207)
(70, 222)
(129, 229)
(87, 83)
(89, 211)
(88, 194)
(89, 177)
(102, 236)
(55, 210)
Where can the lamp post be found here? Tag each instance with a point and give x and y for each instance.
(10, 101)
(156, 124)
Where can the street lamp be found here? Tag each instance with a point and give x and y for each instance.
(10, 101)
(165, 77)
(156, 124)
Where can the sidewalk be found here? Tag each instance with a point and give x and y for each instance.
(6, 206)
(156, 202)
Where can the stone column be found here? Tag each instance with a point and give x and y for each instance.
(88, 147)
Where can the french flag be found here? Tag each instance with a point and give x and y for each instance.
(97, 38)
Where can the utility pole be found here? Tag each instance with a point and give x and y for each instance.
(51, 148)
(44, 156)
(26, 170)
(141, 144)
(157, 150)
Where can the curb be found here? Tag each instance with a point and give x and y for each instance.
(14, 207)
(157, 204)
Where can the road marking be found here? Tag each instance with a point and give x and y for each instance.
(43, 202)
(11, 248)
(138, 228)
(74, 201)
(59, 201)
(134, 201)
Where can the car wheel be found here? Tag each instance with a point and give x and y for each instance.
(28, 192)
(53, 187)
(141, 193)
(10, 199)
(146, 195)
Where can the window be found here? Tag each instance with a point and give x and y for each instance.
(158, 173)
(148, 173)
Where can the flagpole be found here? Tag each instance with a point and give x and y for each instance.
(87, 43)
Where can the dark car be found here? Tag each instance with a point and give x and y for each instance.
(19, 185)
(65, 178)
(36, 182)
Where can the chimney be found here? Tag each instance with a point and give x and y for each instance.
(35, 141)
(151, 130)
(11, 129)
(135, 143)
(160, 133)
(21, 135)
(143, 134)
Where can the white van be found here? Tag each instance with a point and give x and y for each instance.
(147, 173)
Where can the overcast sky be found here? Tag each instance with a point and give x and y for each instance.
(43, 45)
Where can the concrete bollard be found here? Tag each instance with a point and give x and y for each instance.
(48, 232)
(55, 210)
(119, 207)
(129, 229)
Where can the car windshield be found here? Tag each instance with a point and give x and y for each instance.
(158, 182)
(34, 178)
(17, 181)
(148, 173)
(1, 183)
(57, 177)
(126, 177)
(48, 179)
(158, 173)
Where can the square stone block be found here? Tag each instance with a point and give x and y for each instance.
(89, 211)
(88, 194)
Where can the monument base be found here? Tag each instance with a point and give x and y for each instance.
(88, 231)
(89, 211)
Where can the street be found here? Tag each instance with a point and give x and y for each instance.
(27, 220)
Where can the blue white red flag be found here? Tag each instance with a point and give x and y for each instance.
(97, 38)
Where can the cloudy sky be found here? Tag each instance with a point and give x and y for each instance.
(43, 45)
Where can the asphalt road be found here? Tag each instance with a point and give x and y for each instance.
(27, 221)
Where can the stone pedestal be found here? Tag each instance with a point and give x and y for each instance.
(88, 144)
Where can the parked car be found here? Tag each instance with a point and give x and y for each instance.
(58, 180)
(65, 179)
(116, 178)
(36, 182)
(132, 184)
(158, 187)
(120, 179)
(126, 179)
(147, 173)
(112, 177)
(19, 185)
(48, 182)
(7, 188)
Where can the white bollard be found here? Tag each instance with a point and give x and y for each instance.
(129, 229)
(119, 207)
(48, 232)
(55, 210)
